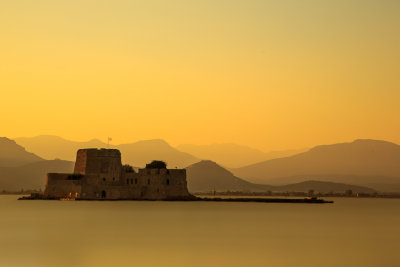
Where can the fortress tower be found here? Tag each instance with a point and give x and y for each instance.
(103, 162)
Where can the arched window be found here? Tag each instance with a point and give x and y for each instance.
(167, 181)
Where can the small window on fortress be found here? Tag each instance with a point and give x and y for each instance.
(167, 181)
(104, 179)
(113, 178)
(127, 181)
(148, 181)
(131, 181)
(136, 181)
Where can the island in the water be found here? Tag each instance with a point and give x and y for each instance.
(100, 175)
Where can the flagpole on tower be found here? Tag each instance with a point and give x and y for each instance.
(108, 141)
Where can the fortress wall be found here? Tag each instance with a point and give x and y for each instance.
(161, 183)
(80, 163)
(93, 186)
(104, 178)
(58, 186)
(151, 184)
(51, 177)
(178, 184)
(97, 191)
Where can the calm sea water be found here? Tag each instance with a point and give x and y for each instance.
(351, 232)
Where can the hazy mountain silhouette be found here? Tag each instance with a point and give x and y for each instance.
(233, 155)
(206, 176)
(12, 154)
(33, 175)
(54, 147)
(136, 154)
(22, 169)
(202, 176)
(142, 152)
(360, 162)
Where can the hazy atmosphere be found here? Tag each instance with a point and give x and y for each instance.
(273, 75)
(199, 133)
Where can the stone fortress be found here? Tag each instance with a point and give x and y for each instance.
(99, 174)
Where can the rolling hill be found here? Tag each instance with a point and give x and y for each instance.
(362, 162)
(206, 176)
(233, 155)
(12, 154)
(21, 169)
(33, 175)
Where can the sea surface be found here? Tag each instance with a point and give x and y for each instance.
(350, 232)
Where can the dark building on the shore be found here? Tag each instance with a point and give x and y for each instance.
(99, 174)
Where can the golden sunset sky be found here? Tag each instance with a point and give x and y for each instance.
(267, 74)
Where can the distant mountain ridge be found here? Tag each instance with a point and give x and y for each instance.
(53, 147)
(206, 176)
(373, 160)
(233, 155)
(12, 154)
(202, 176)
(370, 163)
(142, 152)
(20, 169)
(137, 154)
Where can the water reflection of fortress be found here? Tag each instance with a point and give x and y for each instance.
(99, 174)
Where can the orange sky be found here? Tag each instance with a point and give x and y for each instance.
(268, 74)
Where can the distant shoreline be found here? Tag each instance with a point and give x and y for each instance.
(297, 194)
(307, 200)
(228, 194)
